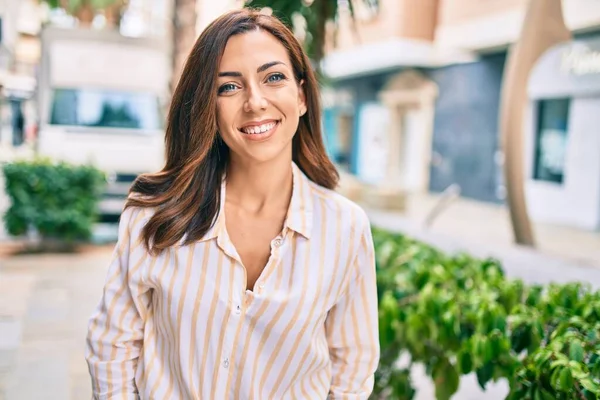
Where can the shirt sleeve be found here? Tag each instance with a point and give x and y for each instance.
(352, 328)
(116, 329)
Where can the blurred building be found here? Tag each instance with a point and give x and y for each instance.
(20, 22)
(413, 103)
(208, 10)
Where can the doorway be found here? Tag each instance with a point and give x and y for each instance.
(410, 99)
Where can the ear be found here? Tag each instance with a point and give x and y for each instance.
(301, 98)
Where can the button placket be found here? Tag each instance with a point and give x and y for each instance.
(277, 242)
(273, 259)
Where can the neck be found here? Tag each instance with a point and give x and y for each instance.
(257, 187)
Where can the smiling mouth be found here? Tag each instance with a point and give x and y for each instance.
(259, 130)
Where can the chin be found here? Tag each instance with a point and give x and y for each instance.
(265, 155)
(262, 158)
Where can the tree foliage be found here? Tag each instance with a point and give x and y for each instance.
(316, 14)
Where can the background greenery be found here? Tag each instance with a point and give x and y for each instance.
(57, 200)
(317, 14)
(458, 314)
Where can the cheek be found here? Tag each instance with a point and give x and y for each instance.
(290, 104)
(224, 125)
(225, 115)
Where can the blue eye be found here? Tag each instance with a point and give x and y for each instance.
(228, 87)
(276, 77)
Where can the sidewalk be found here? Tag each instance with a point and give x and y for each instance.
(45, 304)
(488, 225)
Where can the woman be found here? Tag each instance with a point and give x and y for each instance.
(239, 273)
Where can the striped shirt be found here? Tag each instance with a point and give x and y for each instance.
(181, 325)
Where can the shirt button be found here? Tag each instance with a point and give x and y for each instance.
(238, 310)
(278, 241)
(226, 363)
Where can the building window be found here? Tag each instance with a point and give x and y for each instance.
(367, 10)
(105, 109)
(551, 140)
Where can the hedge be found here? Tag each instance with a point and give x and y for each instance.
(59, 201)
(458, 314)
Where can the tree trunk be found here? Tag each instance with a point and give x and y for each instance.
(184, 35)
(85, 13)
(319, 35)
(543, 28)
(113, 14)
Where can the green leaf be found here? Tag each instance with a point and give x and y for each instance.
(576, 351)
(484, 374)
(446, 379)
(488, 351)
(546, 395)
(388, 314)
(565, 380)
(587, 395)
(465, 362)
(521, 338)
(401, 385)
(589, 385)
(561, 361)
(554, 379)
(542, 358)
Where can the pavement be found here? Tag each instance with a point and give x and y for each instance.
(46, 300)
(45, 303)
(487, 226)
(532, 265)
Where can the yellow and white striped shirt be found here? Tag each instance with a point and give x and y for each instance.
(182, 325)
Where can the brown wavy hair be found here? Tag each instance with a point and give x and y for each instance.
(186, 192)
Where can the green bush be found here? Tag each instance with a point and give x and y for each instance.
(458, 314)
(59, 201)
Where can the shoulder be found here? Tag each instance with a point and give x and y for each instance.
(337, 206)
(132, 215)
(132, 222)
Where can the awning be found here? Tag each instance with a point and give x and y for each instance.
(391, 54)
(567, 69)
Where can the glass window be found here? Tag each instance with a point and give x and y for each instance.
(105, 109)
(551, 140)
(365, 10)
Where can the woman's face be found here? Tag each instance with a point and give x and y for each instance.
(259, 102)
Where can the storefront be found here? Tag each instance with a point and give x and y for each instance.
(421, 126)
(562, 141)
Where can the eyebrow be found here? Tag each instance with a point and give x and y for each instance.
(260, 69)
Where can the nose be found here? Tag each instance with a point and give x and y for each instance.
(255, 100)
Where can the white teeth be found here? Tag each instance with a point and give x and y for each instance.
(259, 129)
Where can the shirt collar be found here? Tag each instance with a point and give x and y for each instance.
(300, 210)
(216, 227)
